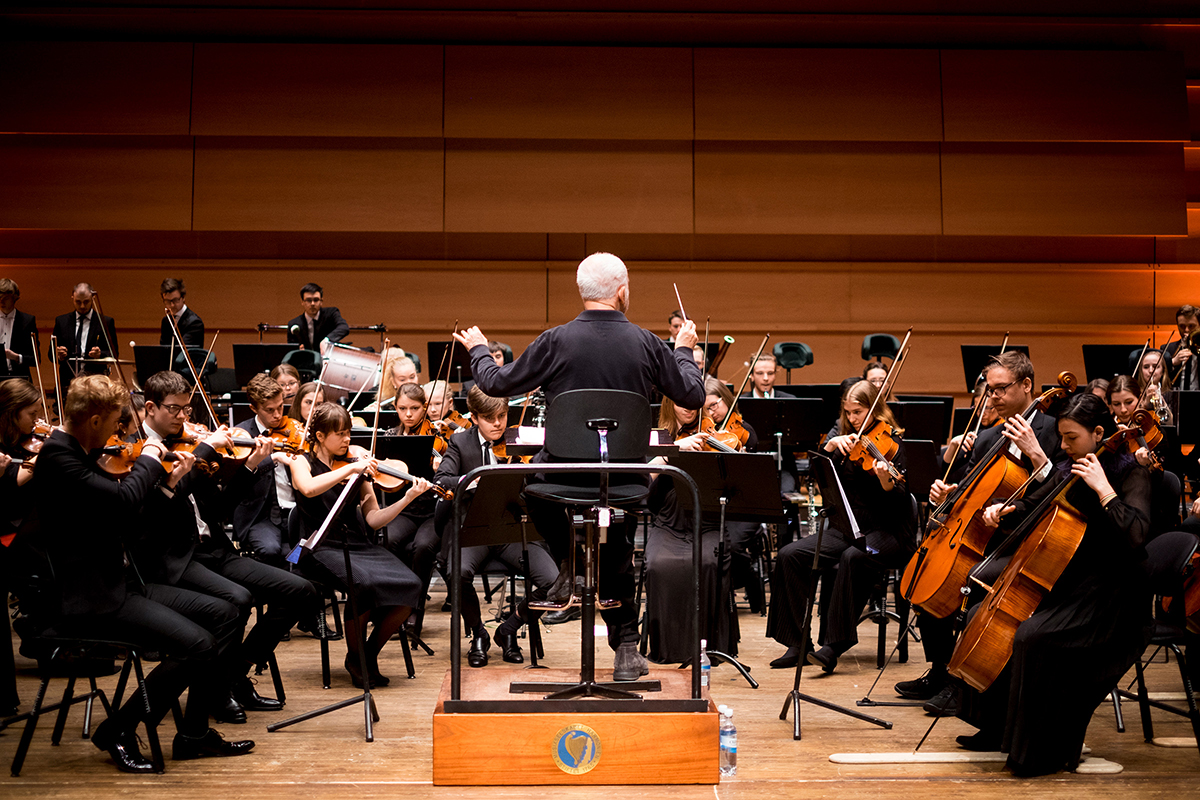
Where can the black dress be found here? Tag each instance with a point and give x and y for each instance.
(381, 579)
(670, 582)
(1085, 634)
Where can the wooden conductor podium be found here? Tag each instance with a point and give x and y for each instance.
(495, 727)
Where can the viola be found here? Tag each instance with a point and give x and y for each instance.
(937, 572)
(725, 441)
(878, 444)
(1052, 534)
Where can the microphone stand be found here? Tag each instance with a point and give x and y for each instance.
(370, 711)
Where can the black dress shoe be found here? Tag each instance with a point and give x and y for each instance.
(923, 688)
(982, 742)
(250, 700)
(824, 658)
(477, 655)
(124, 751)
(789, 659)
(226, 709)
(944, 703)
(510, 650)
(210, 744)
(352, 666)
(562, 615)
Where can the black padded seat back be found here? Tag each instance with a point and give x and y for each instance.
(1167, 557)
(568, 437)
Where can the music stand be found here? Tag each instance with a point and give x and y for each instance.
(151, 359)
(793, 423)
(920, 419)
(459, 360)
(252, 359)
(823, 473)
(1187, 415)
(415, 451)
(1109, 360)
(742, 487)
(976, 356)
(947, 403)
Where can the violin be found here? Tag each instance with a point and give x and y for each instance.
(32, 443)
(1052, 534)
(938, 570)
(1149, 436)
(878, 444)
(500, 451)
(118, 456)
(726, 441)
(390, 474)
(429, 428)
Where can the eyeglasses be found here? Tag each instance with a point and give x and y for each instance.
(176, 411)
(997, 390)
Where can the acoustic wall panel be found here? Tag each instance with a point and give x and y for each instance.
(569, 92)
(568, 186)
(814, 187)
(261, 89)
(1054, 189)
(318, 184)
(139, 183)
(997, 96)
(818, 95)
(95, 87)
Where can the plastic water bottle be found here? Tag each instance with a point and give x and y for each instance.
(728, 742)
(705, 664)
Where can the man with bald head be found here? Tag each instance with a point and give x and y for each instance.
(80, 335)
(599, 349)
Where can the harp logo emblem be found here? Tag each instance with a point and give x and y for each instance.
(576, 749)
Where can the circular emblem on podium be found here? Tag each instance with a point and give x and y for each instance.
(576, 749)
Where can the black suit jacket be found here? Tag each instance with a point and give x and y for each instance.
(85, 519)
(191, 328)
(1044, 427)
(23, 325)
(1174, 372)
(260, 501)
(64, 329)
(330, 325)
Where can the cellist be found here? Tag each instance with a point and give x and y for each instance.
(1095, 621)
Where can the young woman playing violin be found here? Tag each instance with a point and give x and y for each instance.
(288, 378)
(387, 589)
(1093, 624)
(886, 518)
(1163, 458)
(304, 399)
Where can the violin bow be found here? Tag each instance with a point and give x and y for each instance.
(889, 383)
(116, 361)
(57, 383)
(207, 356)
(975, 419)
(745, 380)
(1137, 369)
(37, 367)
(383, 365)
(437, 376)
(195, 375)
(313, 406)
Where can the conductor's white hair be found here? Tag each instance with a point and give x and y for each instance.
(600, 275)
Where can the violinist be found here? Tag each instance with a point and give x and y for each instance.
(1151, 382)
(1164, 460)
(260, 519)
(1183, 366)
(886, 515)
(288, 378)
(876, 372)
(182, 545)
(401, 370)
(191, 327)
(497, 352)
(386, 589)
(132, 417)
(410, 409)
(763, 378)
(1095, 621)
(717, 402)
(306, 397)
(468, 450)
(441, 400)
(85, 542)
(18, 330)
(681, 424)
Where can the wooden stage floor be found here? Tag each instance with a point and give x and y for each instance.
(327, 757)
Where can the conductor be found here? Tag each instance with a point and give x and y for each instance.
(599, 349)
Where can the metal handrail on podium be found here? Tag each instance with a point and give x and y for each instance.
(457, 705)
(381, 329)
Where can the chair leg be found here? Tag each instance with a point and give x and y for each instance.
(325, 662)
(30, 725)
(156, 755)
(122, 682)
(276, 678)
(64, 708)
(1188, 690)
(1144, 703)
(1120, 718)
(903, 610)
(408, 662)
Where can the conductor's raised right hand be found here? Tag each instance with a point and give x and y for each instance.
(470, 337)
(687, 336)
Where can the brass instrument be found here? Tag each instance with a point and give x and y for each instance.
(719, 357)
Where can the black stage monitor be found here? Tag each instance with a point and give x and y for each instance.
(1109, 360)
(150, 359)
(976, 356)
(256, 358)
(459, 360)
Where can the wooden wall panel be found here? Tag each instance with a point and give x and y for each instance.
(263, 89)
(96, 182)
(818, 95)
(1063, 189)
(568, 186)
(95, 87)
(996, 96)
(801, 187)
(344, 184)
(569, 92)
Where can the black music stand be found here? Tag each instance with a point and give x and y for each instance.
(830, 395)
(370, 712)
(151, 359)
(459, 360)
(1187, 415)
(742, 487)
(252, 359)
(823, 473)
(976, 356)
(1109, 360)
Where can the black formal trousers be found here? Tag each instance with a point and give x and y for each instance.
(542, 572)
(857, 572)
(414, 539)
(242, 582)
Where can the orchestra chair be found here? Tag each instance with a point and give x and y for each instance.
(793, 355)
(880, 345)
(1168, 564)
(306, 362)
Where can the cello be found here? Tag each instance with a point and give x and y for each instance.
(938, 570)
(1052, 534)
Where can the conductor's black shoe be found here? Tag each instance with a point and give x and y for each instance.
(210, 744)
(923, 688)
(562, 615)
(944, 703)
(510, 650)
(477, 656)
(124, 751)
(249, 698)
(982, 742)
(226, 709)
(824, 658)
